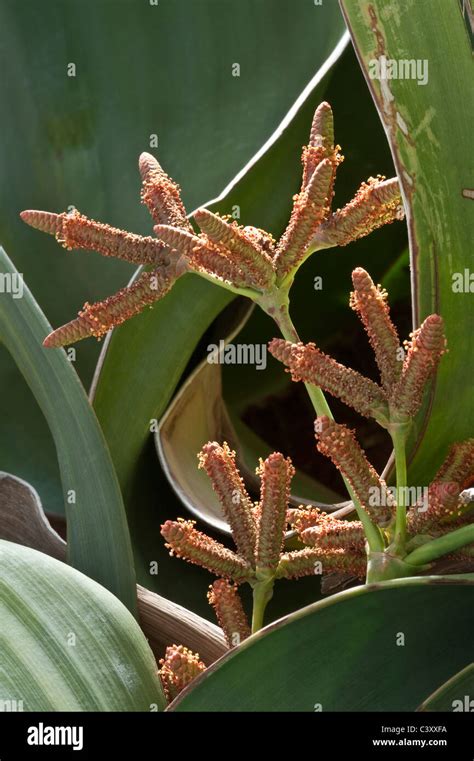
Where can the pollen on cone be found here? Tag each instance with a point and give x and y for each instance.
(314, 561)
(148, 163)
(276, 473)
(161, 194)
(331, 533)
(339, 443)
(424, 352)
(219, 463)
(46, 221)
(455, 474)
(377, 202)
(74, 231)
(370, 303)
(97, 319)
(184, 541)
(178, 669)
(310, 207)
(307, 363)
(202, 255)
(242, 248)
(321, 142)
(322, 128)
(224, 598)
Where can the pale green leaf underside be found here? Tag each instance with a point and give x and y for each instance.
(67, 644)
(98, 537)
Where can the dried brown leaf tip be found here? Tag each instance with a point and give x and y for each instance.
(224, 598)
(399, 397)
(178, 669)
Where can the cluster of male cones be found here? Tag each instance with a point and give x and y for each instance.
(245, 259)
(328, 543)
(258, 528)
(258, 531)
(404, 370)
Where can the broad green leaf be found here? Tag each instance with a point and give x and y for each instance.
(99, 541)
(367, 649)
(428, 124)
(456, 694)
(67, 644)
(144, 73)
(142, 363)
(22, 520)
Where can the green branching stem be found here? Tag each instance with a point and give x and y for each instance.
(262, 594)
(317, 244)
(443, 545)
(278, 309)
(250, 293)
(399, 439)
(289, 333)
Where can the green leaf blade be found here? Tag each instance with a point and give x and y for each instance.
(67, 643)
(98, 538)
(454, 695)
(428, 126)
(342, 654)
